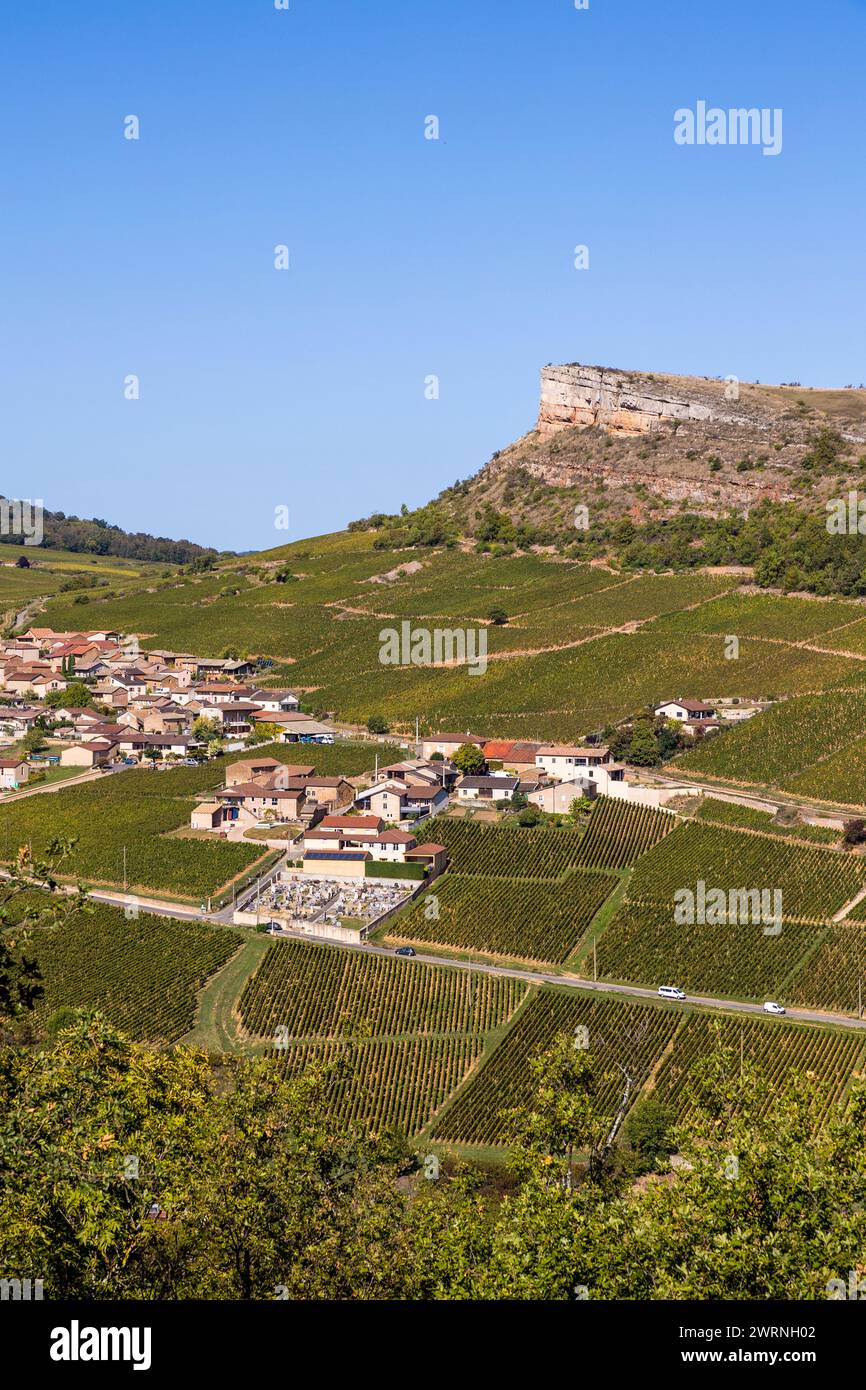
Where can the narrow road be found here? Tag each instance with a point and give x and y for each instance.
(536, 977)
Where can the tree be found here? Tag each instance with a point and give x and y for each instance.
(22, 562)
(648, 1131)
(377, 724)
(204, 729)
(264, 732)
(855, 831)
(75, 696)
(34, 741)
(530, 815)
(28, 901)
(469, 760)
(498, 616)
(643, 750)
(580, 806)
(559, 1119)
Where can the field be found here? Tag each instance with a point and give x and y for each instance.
(815, 883)
(814, 746)
(776, 1051)
(633, 1035)
(143, 974)
(403, 1034)
(138, 809)
(560, 668)
(746, 957)
(514, 918)
(616, 835)
(657, 1046)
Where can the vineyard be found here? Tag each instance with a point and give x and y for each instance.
(515, 919)
(387, 1082)
(791, 746)
(399, 1035)
(777, 1051)
(144, 975)
(815, 883)
(645, 945)
(322, 992)
(617, 834)
(832, 977)
(633, 1035)
(741, 817)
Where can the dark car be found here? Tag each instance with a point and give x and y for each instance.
(406, 951)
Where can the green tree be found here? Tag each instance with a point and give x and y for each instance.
(377, 724)
(75, 696)
(643, 750)
(470, 760)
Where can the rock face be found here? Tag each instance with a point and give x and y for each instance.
(618, 402)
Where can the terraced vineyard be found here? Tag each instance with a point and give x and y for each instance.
(401, 1035)
(741, 817)
(516, 919)
(791, 746)
(631, 1034)
(777, 1051)
(317, 991)
(144, 975)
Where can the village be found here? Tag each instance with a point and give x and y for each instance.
(77, 705)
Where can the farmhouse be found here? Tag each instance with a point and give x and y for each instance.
(691, 713)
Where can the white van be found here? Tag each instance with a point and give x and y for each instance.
(671, 992)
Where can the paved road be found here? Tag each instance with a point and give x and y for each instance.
(483, 968)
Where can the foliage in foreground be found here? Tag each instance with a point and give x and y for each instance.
(132, 1174)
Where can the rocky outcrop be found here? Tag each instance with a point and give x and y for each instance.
(618, 402)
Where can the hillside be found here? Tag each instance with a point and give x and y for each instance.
(584, 626)
(98, 537)
(630, 444)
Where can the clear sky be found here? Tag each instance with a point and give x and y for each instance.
(409, 257)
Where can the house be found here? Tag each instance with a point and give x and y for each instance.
(496, 787)
(328, 791)
(419, 771)
(250, 802)
(562, 760)
(85, 755)
(257, 769)
(395, 800)
(235, 716)
(296, 727)
(13, 773)
(685, 711)
(220, 692)
(371, 825)
(207, 816)
(590, 782)
(20, 721)
(447, 744)
(276, 701)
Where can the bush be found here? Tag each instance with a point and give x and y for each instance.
(376, 869)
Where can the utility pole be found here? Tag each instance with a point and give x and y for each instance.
(124, 868)
(594, 961)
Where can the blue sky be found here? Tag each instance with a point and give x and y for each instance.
(409, 257)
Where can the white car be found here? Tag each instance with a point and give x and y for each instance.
(671, 992)
(771, 1008)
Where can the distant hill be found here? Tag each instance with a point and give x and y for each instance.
(98, 537)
